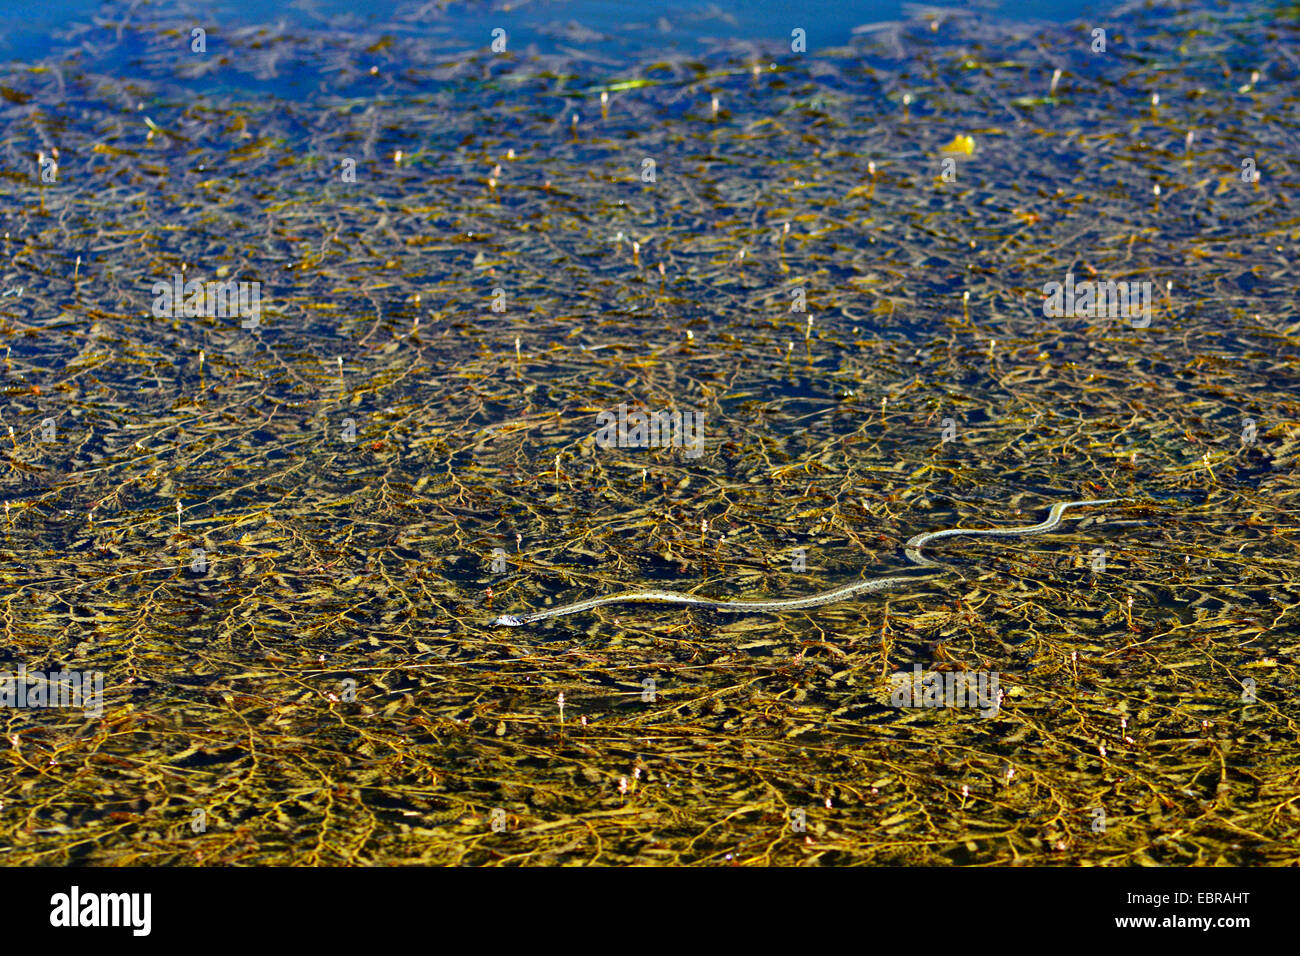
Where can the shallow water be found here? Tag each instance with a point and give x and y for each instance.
(373, 463)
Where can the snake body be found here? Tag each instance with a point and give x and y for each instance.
(912, 550)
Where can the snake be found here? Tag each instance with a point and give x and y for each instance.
(912, 550)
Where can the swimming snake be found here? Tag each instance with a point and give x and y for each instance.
(912, 551)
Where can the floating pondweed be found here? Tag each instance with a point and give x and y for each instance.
(303, 652)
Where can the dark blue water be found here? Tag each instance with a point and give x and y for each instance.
(29, 31)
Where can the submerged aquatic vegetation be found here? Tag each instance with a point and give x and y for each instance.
(281, 537)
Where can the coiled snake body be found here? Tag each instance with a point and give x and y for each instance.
(912, 550)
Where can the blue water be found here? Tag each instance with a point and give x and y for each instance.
(29, 31)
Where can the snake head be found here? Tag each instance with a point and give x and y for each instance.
(508, 620)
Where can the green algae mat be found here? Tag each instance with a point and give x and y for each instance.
(302, 389)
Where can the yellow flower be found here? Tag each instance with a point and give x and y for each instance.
(960, 144)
